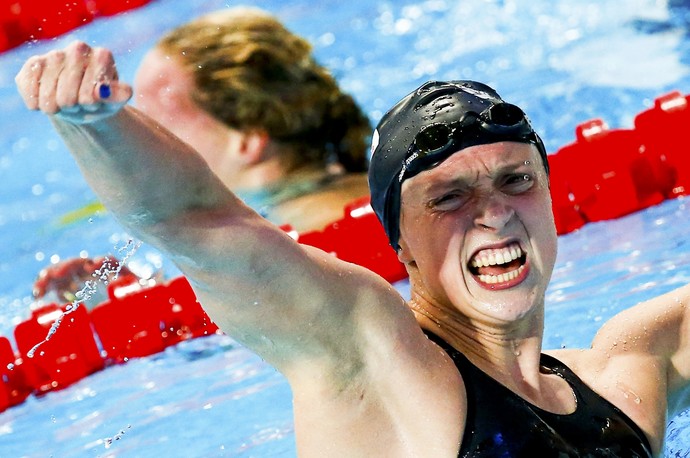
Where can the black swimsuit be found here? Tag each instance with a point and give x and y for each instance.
(502, 424)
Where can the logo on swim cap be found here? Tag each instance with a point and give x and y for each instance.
(476, 92)
(374, 141)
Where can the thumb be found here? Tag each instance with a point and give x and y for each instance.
(113, 92)
(108, 98)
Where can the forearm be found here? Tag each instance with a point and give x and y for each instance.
(129, 154)
(257, 283)
(660, 328)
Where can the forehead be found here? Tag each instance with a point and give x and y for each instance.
(470, 164)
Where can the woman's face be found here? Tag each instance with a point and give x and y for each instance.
(480, 231)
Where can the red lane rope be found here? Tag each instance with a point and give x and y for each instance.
(22, 21)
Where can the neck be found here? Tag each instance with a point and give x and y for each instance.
(509, 352)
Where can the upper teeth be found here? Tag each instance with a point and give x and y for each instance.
(497, 256)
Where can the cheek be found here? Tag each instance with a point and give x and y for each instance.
(542, 229)
(440, 252)
(552, 243)
(156, 105)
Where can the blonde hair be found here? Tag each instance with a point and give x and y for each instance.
(250, 72)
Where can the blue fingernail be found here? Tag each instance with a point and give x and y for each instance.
(104, 91)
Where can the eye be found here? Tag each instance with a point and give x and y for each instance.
(449, 201)
(518, 183)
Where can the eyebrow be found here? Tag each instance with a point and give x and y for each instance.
(428, 191)
(464, 180)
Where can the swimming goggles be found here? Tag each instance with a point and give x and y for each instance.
(436, 142)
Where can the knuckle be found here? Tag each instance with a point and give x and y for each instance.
(56, 56)
(33, 65)
(60, 53)
(101, 51)
(33, 60)
(66, 99)
(80, 48)
(103, 56)
(85, 96)
(49, 107)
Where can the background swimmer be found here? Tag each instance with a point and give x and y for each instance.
(271, 122)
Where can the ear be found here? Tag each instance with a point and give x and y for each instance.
(252, 146)
(404, 254)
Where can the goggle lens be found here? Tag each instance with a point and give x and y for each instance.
(433, 138)
(501, 120)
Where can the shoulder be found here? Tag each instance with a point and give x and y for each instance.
(401, 384)
(632, 381)
(375, 338)
(331, 199)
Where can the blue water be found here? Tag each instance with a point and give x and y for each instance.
(565, 62)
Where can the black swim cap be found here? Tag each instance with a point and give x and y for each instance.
(426, 127)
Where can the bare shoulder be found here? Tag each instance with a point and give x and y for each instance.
(639, 358)
(633, 381)
(376, 333)
(404, 396)
(641, 340)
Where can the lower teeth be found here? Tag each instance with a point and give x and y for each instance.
(501, 278)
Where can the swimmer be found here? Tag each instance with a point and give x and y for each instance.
(459, 180)
(273, 124)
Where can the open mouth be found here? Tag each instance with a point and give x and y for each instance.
(499, 266)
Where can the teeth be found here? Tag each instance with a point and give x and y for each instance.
(497, 257)
(501, 278)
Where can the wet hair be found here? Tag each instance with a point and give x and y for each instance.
(251, 73)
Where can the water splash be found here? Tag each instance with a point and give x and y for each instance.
(107, 269)
(108, 441)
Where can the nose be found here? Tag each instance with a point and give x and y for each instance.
(493, 213)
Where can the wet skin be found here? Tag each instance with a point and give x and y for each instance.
(484, 200)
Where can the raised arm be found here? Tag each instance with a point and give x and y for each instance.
(277, 297)
(655, 336)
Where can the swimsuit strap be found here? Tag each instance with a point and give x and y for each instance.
(586, 396)
(298, 188)
(264, 200)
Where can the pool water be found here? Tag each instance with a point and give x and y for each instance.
(563, 62)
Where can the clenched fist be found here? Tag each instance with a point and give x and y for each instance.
(78, 84)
